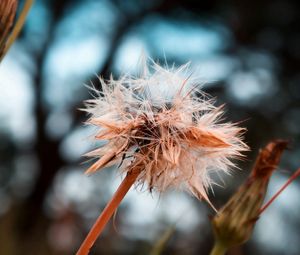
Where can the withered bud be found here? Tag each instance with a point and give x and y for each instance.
(8, 10)
(234, 223)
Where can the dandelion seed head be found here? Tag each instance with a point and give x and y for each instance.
(164, 125)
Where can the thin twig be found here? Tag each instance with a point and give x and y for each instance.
(292, 178)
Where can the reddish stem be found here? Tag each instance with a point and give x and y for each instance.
(107, 213)
(292, 178)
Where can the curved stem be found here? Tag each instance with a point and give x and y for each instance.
(107, 213)
(218, 249)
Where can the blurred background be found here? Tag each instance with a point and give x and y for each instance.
(246, 53)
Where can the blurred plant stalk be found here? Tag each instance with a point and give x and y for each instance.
(161, 243)
(8, 31)
(234, 223)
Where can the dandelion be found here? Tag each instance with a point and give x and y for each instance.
(162, 131)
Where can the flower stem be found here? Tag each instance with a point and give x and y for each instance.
(218, 249)
(107, 213)
(292, 178)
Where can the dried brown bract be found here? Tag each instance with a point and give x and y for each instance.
(8, 10)
(234, 223)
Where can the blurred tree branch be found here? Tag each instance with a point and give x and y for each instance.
(46, 149)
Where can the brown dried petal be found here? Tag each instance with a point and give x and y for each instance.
(7, 14)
